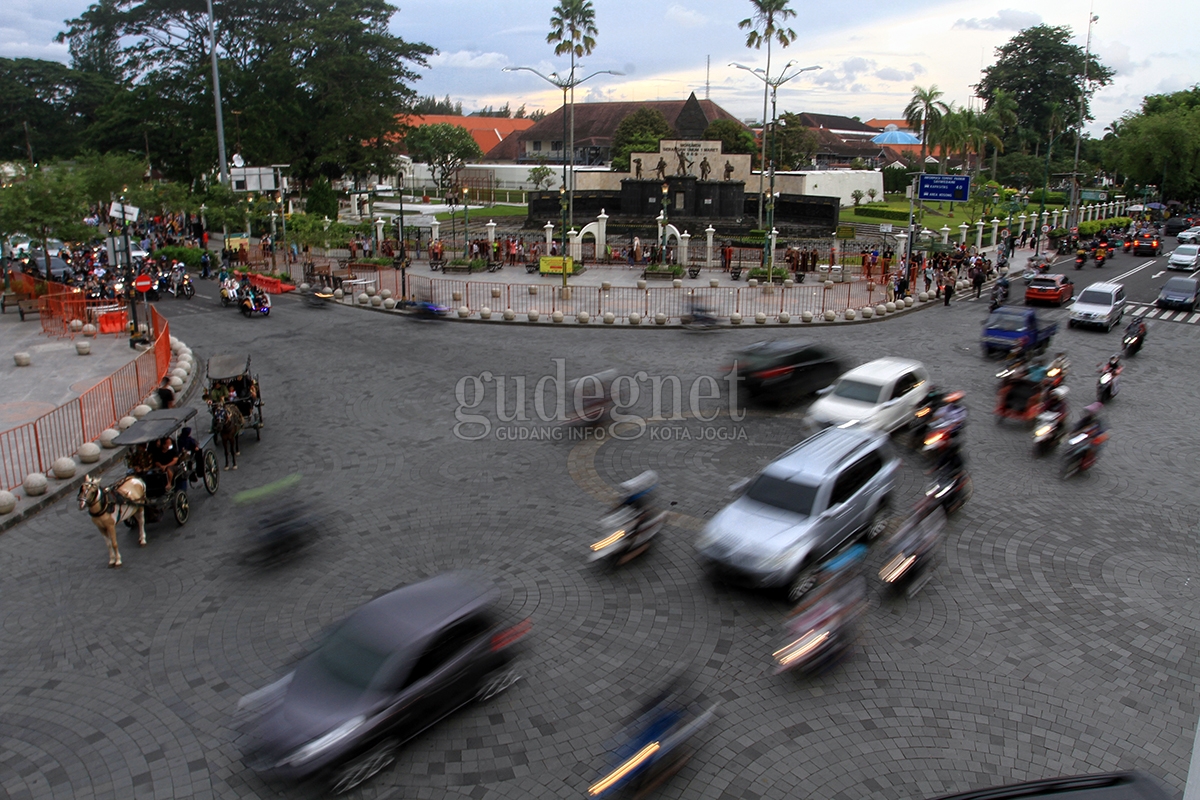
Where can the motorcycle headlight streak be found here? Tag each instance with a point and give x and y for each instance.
(609, 540)
(1077, 438)
(800, 648)
(605, 783)
(1106, 377)
(1042, 431)
(1053, 372)
(924, 412)
(322, 743)
(894, 569)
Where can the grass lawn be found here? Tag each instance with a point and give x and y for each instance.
(958, 216)
(486, 213)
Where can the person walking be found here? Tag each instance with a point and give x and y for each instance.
(977, 280)
(948, 289)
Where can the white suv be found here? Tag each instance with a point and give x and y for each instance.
(1101, 304)
(880, 395)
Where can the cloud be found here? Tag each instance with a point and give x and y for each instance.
(893, 74)
(842, 77)
(917, 68)
(469, 59)
(1118, 56)
(685, 17)
(1007, 19)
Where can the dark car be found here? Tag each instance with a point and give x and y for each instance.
(1176, 225)
(392, 669)
(60, 270)
(1147, 243)
(1107, 786)
(785, 369)
(1179, 293)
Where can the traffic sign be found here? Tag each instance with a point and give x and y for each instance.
(124, 212)
(1045, 229)
(885, 227)
(955, 188)
(1004, 233)
(846, 232)
(142, 283)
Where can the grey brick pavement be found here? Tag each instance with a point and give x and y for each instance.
(1059, 635)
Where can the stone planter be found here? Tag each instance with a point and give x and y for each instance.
(22, 359)
(35, 484)
(583, 317)
(485, 313)
(605, 286)
(533, 289)
(83, 348)
(609, 318)
(784, 317)
(533, 315)
(735, 318)
(88, 452)
(760, 318)
(509, 314)
(63, 468)
(8, 502)
(456, 297)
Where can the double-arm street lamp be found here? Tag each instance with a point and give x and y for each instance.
(773, 84)
(566, 84)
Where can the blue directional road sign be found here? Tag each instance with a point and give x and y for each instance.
(956, 188)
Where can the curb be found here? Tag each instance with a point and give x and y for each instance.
(33, 505)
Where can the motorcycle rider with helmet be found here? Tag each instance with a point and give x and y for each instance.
(635, 495)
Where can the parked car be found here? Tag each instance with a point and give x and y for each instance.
(1190, 236)
(394, 668)
(784, 369)
(1052, 288)
(821, 495)
(1179, 293)
(1186, 256)
(1108, 786)
(879, 395)
(1147, 244)
(60, 270)
(1101, 304)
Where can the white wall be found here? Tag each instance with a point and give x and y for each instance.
(830, 183)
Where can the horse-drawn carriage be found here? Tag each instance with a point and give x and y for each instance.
(166, 488)
(230, 381)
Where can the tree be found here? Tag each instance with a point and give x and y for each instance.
(857, 196)
(541, 174)
(445, 148)
(1001, 111)
(923, 113)
(1038, 68)
(320, 84)
(48, 204)
(424, 106)
(765, 24)
(733, 136)
(1160, 148)
(46, 108)
(795, 143)
(322, 201)
(640, 131)
(872, 194)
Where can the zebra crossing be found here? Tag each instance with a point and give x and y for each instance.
(1163, 315)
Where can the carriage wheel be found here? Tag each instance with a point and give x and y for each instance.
(179, 505)
(212, 476)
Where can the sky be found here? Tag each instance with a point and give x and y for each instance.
(871, 54)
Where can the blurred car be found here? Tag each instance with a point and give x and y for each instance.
(394, 668)
(1190, 236)
(1053, 288)
(60, 270)
(788, 368)
(879, 395)
(1174, 225)
(1179, 293)
(1147, 244)
(1186, 256)
(808, 503)
(1107, 786)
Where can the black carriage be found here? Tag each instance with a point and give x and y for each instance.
(169, 491)
(230, 377)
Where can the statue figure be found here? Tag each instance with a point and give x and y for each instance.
(660, 169)
(637, 169)
(705, 169)
(728, 170)
(684, 164)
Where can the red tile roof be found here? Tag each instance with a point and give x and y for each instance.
(486, 131)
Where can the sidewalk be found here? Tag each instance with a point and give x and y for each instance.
(57, 373)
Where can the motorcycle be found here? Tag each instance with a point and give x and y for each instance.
(700, 320)
(1128, 244)
(1083, 448)
(1133, 339)
(923, 416)
(426, 310)
(1100, 256)
(625, 539)
(912, 552)
(824, 627)
(655, 745)
(181, 286)
(1109, 383)
(1080, 259)
(255, 303)
(1048, 430)
(950, 489)
(317, 297)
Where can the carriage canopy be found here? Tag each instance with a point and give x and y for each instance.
(227, 367)
(154, 426)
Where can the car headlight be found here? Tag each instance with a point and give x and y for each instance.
(323, 743)
(782, 559)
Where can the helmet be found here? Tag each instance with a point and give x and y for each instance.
(1115, 358)
(640, 484)
(953, 397)
(1059, 392)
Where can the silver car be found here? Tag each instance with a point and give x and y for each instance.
(821, 495)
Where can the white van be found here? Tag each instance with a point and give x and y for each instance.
(1100, 304)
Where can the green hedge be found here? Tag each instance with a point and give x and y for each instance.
(1059, 198)
(190, 256)
(1092, 227)
(881, 213)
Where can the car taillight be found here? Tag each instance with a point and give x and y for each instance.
(777, 372)
(510, 636)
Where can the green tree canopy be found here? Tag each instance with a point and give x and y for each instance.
(796, 144)
(48, 203)
(445, 148)
(732, 135)
(640, 131)
(1039, 68)
(1160, 145)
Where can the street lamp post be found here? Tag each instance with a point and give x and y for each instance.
(1073, 219)
(773, 85)
(662, 251)
(466, 192)
(222, 164)
(566, 84)
(562, 256)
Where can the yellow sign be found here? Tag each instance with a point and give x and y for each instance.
(846, 232)
(553, 265)
(235, 243)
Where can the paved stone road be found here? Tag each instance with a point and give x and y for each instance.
(1059, 636)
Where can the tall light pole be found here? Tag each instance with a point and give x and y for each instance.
(773, 86)
(566, 84)
(1083, 89)
(216, 79)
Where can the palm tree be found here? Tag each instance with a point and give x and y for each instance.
(573, 31)
(765, 25)
(950, 134)
(1001, 116)
(923, 113)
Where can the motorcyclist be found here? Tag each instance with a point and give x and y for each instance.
(951, 414)
(839, 580)
(1056, 402)
(1113, 365)
(1137, 327)
(1090, 423)
(635, 495)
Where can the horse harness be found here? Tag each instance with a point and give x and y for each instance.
(104, 498)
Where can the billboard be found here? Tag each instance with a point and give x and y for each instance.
(955, 188)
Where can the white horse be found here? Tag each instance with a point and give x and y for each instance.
(108, 506)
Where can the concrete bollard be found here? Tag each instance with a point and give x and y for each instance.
(533, 289)
(88, 452)
(806, 316)
(485, 313)
(8, 502)
(850, 315)
(495, 292)
(386, 294)
(660, 318)
(35, 484)
(868, 312)
(107, 436)
(63, 468)
(830, 316)
(463, 312)
(89, 330)
(713, 283)
(908, 301)
(140, 411)
(376, 301)
(883, 308)
(760, 318)
(678, 284)
(641, 284)
(362, 299)
(83, 347)
(605, 286)
(533, 315)
(22, 359)
(456, 297)
(609, 318)
(509, 314)
(389, 303)
(557, 316)
(735, 318)
(785, 317)
(635, 318)
(583, 317)
(752, 283)
(889, 307)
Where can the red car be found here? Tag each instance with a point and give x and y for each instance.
(1054, 289)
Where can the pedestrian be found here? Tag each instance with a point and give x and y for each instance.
(166, 395)
(977, 280)
(902, 286)
(948, 289)
(889, 283)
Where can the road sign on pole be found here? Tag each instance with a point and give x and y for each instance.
(1045, 229)
(123, 211)
(955, 188)
(142, 283)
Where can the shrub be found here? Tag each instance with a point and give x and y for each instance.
(190, 256)
(882, 213)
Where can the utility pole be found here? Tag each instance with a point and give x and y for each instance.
(28, 144)
(216, 80)
(1083, 91)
